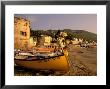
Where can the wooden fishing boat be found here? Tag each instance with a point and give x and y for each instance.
(39, 62)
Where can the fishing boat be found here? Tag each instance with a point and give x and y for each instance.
(43, 60)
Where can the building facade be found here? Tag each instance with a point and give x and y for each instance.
(21, 33)
(44, 40)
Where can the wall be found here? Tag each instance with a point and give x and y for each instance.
(21, 33)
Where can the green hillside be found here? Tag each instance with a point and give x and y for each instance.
(88, 36)
(82, 34)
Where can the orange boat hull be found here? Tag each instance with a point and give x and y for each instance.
(57, 64)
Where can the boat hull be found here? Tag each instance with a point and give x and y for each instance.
(57, 64)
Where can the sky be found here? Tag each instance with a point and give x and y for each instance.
(86, 22)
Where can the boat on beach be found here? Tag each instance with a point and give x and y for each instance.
(43, 60)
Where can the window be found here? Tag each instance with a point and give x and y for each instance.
(25, 24)
(23, 33)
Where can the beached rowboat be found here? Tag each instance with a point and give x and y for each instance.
(50, 62)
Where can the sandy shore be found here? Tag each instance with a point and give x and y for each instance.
(82, 61)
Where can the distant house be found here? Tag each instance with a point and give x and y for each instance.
(75, 41)
(47, 40)
(32, 42)
(44, 40)
(80, 40)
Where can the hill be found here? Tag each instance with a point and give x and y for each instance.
(88, 36)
